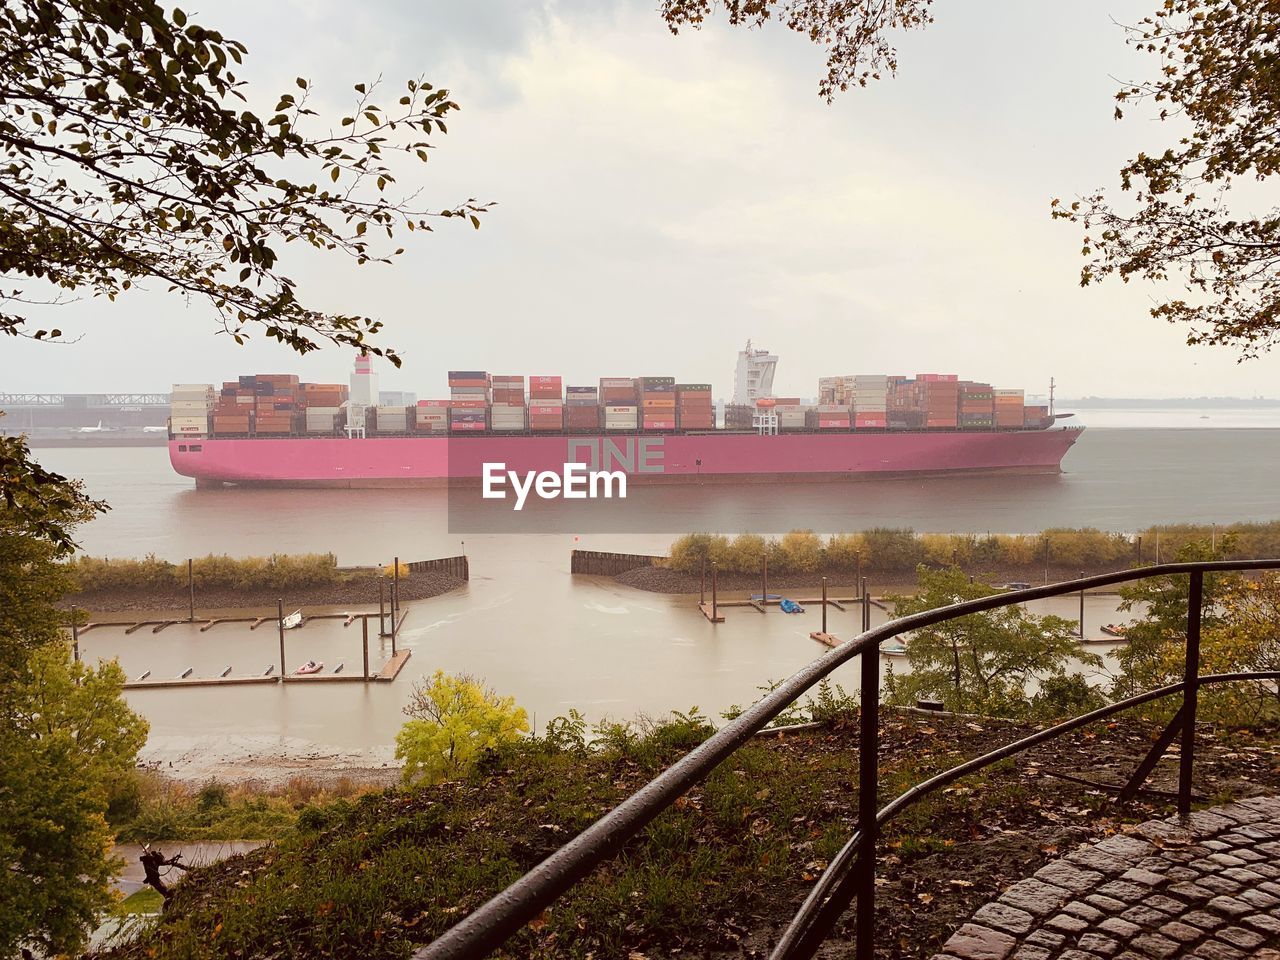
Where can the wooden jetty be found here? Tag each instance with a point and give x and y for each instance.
(827, 639)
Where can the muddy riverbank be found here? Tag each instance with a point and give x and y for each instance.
(361, 592)
(664, 580)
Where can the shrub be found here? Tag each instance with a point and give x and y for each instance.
(746, 553)
(844, 551)
(893, 549)
(801, 551)
(689, 551)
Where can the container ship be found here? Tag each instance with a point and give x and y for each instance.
(273, 430)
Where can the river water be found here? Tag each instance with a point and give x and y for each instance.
(555, 641)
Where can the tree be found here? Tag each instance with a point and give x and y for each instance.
(982, 662)
(852, 31)
(130, 154)
(66, 737)
(1219, 81)
(1158, 637)
(454, 720)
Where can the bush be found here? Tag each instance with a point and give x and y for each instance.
(801, 551)
(688, 553)
(278, 571)
(844, 550)
(746, 553)
(893, 549)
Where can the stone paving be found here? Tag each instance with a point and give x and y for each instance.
(1208, 887)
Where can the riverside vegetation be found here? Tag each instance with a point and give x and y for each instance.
(884, 550)
(149, 583)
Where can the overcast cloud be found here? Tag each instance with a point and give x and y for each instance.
(661, 199)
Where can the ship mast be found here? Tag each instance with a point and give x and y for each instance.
(1052, 384)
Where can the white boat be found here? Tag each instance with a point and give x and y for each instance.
(292, 620)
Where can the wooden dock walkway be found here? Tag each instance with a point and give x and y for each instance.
(387, 673)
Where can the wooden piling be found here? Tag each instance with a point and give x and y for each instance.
(75, 635)
(824, 605)
(764, 580)
(395, 593)
(280, 625)
(714, 597)
(382, 606)
(364, 640)
(702, 573)
(191, 590)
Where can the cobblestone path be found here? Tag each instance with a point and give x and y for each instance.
(1207, 888)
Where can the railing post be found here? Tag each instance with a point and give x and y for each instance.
(868, 801)
(1190, 692)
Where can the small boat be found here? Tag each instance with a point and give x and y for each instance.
(1113, 630)
(292, 620)
(311, 666)
(790, 606)
(350, 619)
(893, 650)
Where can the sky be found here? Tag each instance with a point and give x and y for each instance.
(660, 199)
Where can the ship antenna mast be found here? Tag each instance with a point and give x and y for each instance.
(1052, 384)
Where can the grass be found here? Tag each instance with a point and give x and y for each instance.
(374, 875)
(141, 902)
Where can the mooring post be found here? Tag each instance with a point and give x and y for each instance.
(364, 642)
(764, 581)
(1190, 692)
(393, 631)
(866, 606)
(714, 598)
(824, 604)
(395, 592)
(280, 626)
(75, 635)
(191, 591)
(702, 573)
(382, 600)
(857, 556)
(1082, 607)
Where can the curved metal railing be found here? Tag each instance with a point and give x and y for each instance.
(851, 874)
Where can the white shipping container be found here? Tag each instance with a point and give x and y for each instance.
(201, 388)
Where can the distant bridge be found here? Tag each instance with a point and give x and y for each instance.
(84, 400)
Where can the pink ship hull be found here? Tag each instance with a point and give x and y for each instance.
(673, 458)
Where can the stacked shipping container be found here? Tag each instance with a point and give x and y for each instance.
(694, 409)
(507, 412)
(189, 407)
(279, 405)
(658, 403)
(469, 398)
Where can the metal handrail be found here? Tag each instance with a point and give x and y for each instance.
(852, 873)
